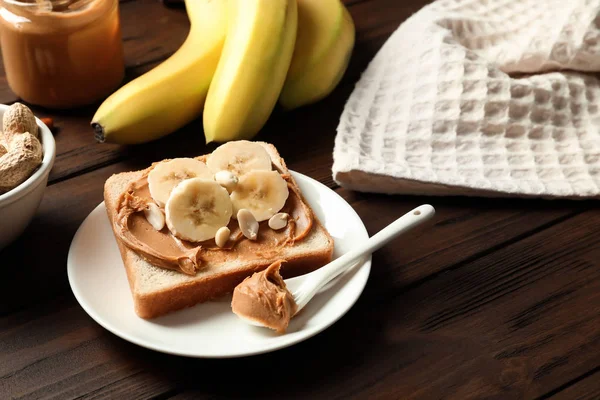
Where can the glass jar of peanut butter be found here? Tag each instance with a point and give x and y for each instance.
(61, 53)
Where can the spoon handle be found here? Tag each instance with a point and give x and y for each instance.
(322, 276)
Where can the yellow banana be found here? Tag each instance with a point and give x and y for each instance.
(172, 94)
(255, 60)
(324, 45)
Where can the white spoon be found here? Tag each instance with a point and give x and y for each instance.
(308, 285)
(304, 288)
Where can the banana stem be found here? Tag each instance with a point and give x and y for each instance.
(98, 132)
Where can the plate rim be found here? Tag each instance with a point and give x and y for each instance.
(366, 264)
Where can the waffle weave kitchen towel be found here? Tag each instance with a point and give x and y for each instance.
(482, 98)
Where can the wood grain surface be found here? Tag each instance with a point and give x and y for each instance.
(498, 299)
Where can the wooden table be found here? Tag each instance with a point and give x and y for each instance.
(499, 299)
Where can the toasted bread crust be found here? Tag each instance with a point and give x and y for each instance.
(194, 290)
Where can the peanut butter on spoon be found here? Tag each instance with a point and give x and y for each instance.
(263, 299)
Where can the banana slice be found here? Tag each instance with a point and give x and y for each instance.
(239, 157)
(166, 175)
(263, 193)
(197, 208)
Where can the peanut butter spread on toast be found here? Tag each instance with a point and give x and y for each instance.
(163, 249)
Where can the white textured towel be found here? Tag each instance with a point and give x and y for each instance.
(479, 97)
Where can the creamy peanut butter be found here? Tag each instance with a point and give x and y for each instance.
(61, 53)
(264, 299)
(163, 249)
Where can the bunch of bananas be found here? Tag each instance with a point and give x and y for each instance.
(240, 58)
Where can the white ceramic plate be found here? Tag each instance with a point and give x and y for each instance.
(98, 280)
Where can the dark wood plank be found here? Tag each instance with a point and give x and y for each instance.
(513, 324)
(586, 387)
(464, 228)
(69, 361)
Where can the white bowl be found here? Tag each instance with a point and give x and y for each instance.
(18, 206)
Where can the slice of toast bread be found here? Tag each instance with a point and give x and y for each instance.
(157, 291)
